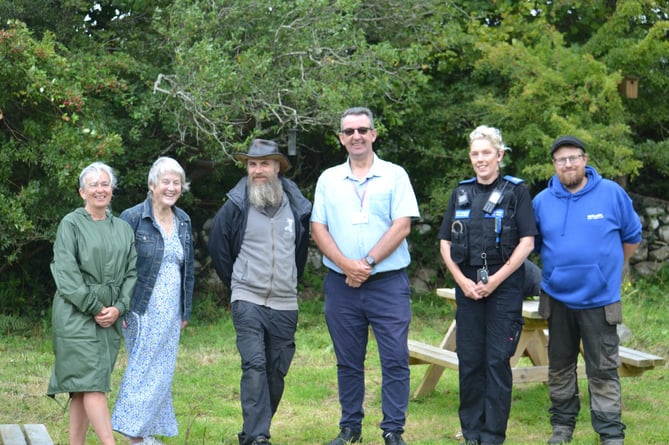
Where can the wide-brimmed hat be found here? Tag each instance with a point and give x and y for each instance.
(264, 149)
(571, 141)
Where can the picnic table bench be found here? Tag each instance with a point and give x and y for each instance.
(533, 343)
(28, 434)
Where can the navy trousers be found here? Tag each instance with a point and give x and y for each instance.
(384, 304)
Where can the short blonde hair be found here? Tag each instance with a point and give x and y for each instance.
(490, 134)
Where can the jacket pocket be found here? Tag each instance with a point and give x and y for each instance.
(580, 281)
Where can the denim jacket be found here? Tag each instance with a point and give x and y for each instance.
(150, 246)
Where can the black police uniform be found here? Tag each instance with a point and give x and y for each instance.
(488, 329)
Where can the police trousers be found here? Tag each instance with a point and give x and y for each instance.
(487, 335)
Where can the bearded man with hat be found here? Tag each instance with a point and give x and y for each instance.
(258, 245)
(588, 230)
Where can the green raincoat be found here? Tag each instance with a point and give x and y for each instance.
(93, 266)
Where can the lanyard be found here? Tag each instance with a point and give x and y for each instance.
(364, 192)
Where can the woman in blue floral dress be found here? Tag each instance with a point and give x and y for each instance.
(160, 307)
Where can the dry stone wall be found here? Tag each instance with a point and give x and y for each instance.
(653, 252)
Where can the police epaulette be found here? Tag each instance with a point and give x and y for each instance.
(513, 179)
(468, 181)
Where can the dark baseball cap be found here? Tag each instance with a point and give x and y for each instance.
(571, 141)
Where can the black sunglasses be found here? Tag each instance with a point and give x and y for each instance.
(361, 131)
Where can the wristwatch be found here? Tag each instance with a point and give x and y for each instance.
(370, 260)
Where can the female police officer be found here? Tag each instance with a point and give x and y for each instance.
(487, 232)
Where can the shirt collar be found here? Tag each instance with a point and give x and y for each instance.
(375, 170)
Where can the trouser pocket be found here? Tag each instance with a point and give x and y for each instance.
(544, 305)
(614, 313)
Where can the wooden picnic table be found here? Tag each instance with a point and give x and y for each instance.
(533, 344)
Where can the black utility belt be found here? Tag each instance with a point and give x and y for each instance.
(376, 276)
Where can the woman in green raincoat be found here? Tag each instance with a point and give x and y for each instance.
(94, 270)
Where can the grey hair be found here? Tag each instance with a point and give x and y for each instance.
(164, 165)
(490, 134)
(96, 168)
(357, 111)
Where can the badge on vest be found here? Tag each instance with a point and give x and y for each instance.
(462, 214)
(497, 214)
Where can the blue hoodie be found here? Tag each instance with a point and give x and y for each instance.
(580, 240)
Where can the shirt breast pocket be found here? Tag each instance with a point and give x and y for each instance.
(379, 204)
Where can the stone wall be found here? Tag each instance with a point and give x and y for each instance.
(653, 252)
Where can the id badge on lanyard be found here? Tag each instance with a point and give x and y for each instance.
(360, 217)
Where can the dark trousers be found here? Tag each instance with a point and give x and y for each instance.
(568, 328)
(383, 304)
(487, 335)
(266, 344)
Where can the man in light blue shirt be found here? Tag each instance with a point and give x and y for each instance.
(362, 214)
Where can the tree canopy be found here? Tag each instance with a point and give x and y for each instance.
(128, 81)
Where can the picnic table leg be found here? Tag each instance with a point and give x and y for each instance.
(429, 381)
(449, 339)
(434, 372)
(537, 349)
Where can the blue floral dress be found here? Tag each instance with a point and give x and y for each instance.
(144, 404)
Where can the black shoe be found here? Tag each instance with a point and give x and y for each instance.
(261, 440)
(346, 436)
(393, 439)
(561, 434)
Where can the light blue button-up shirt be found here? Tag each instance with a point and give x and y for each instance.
(358, 213)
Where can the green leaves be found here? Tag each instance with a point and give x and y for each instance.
(293, 64)
(196, 79)
(49, 132)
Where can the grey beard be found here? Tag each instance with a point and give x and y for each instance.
(268, 194)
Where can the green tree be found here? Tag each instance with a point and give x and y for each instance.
(540, 69)
(245, 69)
(60, 109)
(129, 80)
(50, 128)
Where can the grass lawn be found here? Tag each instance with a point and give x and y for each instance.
(206, 386)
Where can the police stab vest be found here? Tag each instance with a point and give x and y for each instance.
(492, 231)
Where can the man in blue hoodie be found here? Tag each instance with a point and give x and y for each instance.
(588, 230)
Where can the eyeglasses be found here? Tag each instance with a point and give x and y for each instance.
(361, 131)
(571, 159)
